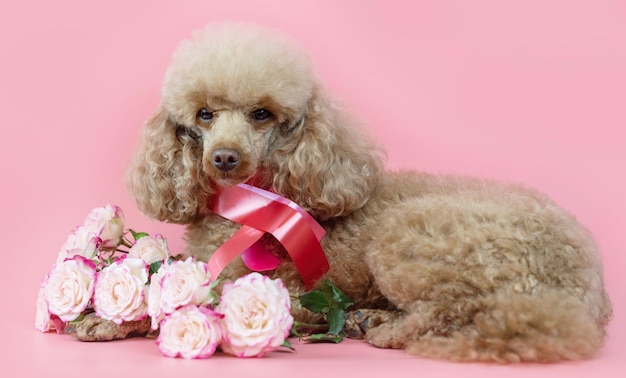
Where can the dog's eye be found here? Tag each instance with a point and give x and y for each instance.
(204, 115)
(261, 115)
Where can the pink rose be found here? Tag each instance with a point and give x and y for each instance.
(120, 291)
(257, 315)
(81, 242)
(190, 332)
(108, 223)
(150, 249)
(69, 287)
(179, 284)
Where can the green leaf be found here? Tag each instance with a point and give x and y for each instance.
(79, 319)
(214, 284)
(327, 290)
(155, 266)
(213, 298)
(341, 300)
(338, 298)
(138, 235)
(336, 318)
(287, 344)
(314, 301)
(332, 303)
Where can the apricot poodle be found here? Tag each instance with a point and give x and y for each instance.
(444, 267)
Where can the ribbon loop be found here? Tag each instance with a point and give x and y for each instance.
(260, 211)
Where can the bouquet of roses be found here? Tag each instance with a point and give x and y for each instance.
(121, 275)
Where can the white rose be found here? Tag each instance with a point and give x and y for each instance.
(108, 223)
(42, 318)
(257, 315)
(179, 284)
(120, 291)
(150, 249)
(190, 332)
(184, 282)
(69, 287)
(81, 242)
(154, 297)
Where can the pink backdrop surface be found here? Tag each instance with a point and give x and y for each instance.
(531, 92)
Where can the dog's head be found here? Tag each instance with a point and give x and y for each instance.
(239, 104)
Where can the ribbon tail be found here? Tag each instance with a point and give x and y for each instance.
(305, 250)
(243, 239)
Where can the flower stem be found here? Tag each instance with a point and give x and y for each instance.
(125, 243)
(300, 329)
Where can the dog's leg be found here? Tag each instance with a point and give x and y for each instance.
(360, 322)
(93, 328)
(417, 321)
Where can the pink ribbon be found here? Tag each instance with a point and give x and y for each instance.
(260, 212)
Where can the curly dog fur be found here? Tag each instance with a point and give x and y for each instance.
(466, 269)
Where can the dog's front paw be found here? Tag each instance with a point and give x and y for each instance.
(360, 322)
(92, 328)
(386, 335)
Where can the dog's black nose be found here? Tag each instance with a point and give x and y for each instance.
(225, 159)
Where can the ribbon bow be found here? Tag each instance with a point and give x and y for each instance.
(260, 212)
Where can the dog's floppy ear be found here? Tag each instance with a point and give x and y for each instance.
(164, 176)
(328, 167)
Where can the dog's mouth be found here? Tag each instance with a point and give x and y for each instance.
(226, 181)
(259, 178)
(256, 177)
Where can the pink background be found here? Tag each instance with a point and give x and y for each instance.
(524, 91)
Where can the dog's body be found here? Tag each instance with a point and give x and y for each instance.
(453, 268)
